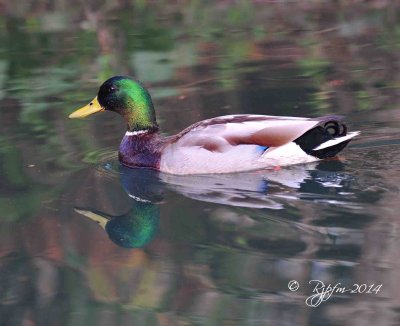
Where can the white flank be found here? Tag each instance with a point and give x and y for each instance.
(135, 133)
(336, 141)
(285, 155)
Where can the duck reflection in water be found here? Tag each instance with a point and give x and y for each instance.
(132, 230)
(138, 227)
(259, 189)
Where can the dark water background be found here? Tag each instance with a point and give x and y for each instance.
(212, 250)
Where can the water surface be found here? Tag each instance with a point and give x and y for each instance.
(84, 241)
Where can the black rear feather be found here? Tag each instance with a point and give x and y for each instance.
(329, 128)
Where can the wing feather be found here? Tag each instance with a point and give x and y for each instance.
(219, 133)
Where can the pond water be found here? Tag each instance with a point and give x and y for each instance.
(84, 241)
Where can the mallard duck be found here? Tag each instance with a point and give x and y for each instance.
(224, 144)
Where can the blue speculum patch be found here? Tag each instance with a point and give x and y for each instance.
(262, 149)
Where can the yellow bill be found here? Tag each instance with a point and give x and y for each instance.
(101, 220)
(93, 107)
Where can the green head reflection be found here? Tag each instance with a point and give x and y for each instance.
(132, 230)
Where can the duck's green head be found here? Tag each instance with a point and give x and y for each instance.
(126, 96)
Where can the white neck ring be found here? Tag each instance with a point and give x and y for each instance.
(136, 133)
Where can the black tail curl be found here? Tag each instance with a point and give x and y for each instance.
(330, 127)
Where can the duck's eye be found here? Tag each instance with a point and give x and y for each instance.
(111, 89)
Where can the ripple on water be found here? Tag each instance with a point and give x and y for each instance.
(105, 160)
